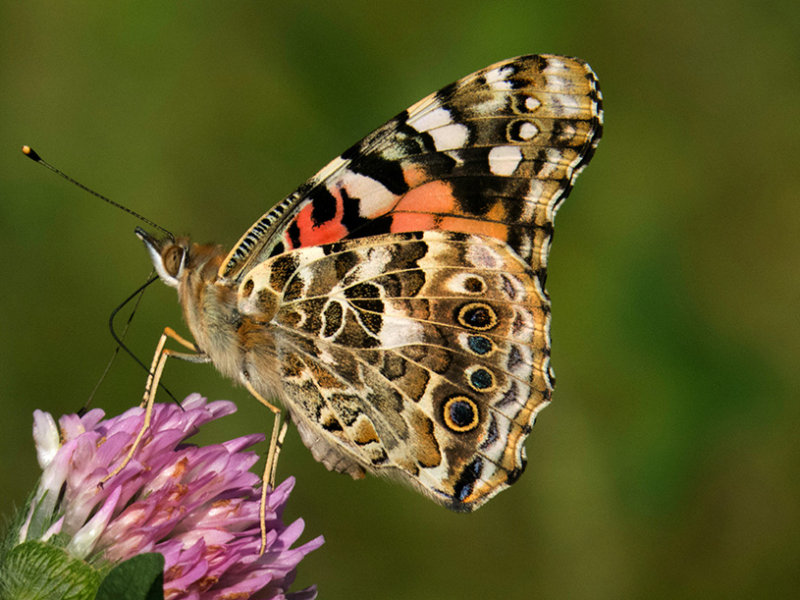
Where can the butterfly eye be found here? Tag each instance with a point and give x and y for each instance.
(173, 260)
(247, 289)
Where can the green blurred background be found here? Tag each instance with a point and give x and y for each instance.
(668, 465)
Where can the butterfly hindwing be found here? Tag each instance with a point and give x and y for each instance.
(418, 355)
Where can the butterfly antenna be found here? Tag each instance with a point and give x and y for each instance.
(34, 156)
(122, 345)
(114, 355)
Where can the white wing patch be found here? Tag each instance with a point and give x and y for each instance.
(438, 117)
(497, 79)
(504, 160)
(361, 186)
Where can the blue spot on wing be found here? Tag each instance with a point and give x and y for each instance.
(479, 344)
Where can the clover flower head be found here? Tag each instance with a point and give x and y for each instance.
(197, 506)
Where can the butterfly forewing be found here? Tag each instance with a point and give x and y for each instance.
(493, 153)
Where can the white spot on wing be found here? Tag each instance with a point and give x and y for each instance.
(374, 264)
(567, 105)
(554, 65)
(438, 123)
(532, 103)
(375, 198)
(528, 130)
(497, 79)
(494, 103)
(428, 120)
(484, 256)
(400, 331)
(556, 83)
(504, 160)
(450, 137)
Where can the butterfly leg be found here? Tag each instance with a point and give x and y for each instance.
(278, 447)
(153, 378)
(271, 466)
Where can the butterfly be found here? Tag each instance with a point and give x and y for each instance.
(395, 303)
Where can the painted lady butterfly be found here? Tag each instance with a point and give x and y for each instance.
(395, 302)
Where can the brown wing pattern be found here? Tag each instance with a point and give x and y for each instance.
(419, 355)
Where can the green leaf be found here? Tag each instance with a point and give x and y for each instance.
(138, 578)
(39, 571)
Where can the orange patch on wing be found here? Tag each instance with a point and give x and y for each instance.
(497, 212)
(402, 222)
(415, 176)
(324, 233)
(433, 197)
(495, 230)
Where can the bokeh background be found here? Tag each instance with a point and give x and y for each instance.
(668, 464)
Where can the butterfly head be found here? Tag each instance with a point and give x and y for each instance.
(168, 255)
